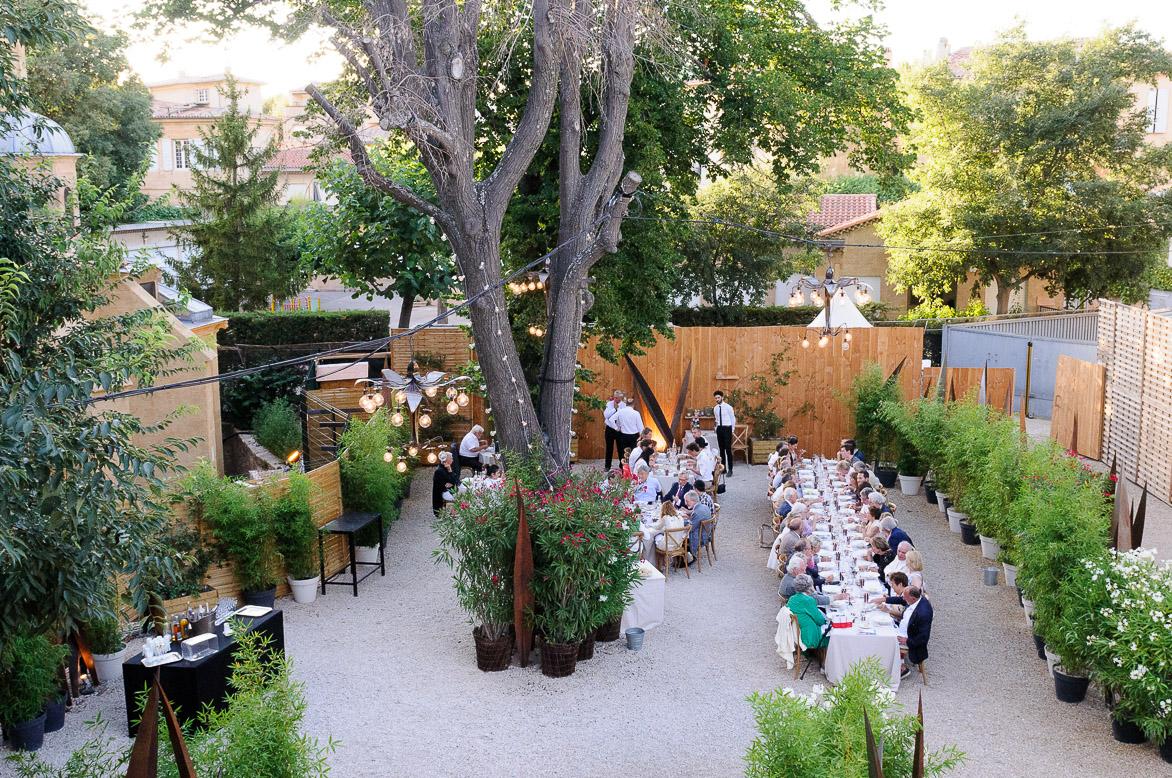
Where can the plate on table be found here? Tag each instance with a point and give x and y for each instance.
(831, 588)
(252, 611)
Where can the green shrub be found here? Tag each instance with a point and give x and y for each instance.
(243, 531)
(29, 666)
(277, 426)
(297, 327)
(292, 520)
(368, 482)
(760, 315)
(754, 402)
(869, 390)
(182, 568)
(799, 736)
(241, 399)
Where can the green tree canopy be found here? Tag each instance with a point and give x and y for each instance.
(373, 243)
(246, 246)
(82, 84)
(732, 266)
(1032, 163)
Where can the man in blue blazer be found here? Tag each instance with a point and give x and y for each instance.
(917, 623)
(677, 491)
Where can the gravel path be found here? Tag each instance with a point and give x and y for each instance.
(392, 673)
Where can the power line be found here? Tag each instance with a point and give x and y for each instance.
(372, 345)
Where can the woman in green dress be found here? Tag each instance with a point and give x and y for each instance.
(810, 619)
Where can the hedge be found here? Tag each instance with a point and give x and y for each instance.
(760, 315)
(294, 327)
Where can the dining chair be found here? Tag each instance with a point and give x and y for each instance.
(740, 441)
(675, 545)
(708, 539)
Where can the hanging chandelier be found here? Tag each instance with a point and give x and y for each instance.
(822, 294)
(409, 394)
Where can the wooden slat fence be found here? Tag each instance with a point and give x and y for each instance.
(964, 383)
(723, 357)
(1079, 395)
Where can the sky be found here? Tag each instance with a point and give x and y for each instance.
(914, 27)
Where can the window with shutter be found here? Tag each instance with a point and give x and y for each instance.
(1161, 119)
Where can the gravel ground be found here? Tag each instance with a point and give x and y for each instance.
(392, 673)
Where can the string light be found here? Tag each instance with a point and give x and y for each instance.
(450, 393)
(388, 456)
(462, 400)
(424, 420)
(805, 342)
(397, 419)
(432, 458)
(453, 407)
(402, 466)
(400, 397)
(431, 391)
(413, 450)
(822, 341)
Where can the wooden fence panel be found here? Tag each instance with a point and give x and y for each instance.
(1122, 346)
(965, 381)
(1079, 395)
(1154, 465)
(724, 357)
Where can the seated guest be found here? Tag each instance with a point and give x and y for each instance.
(772, 462)
(443, 481)
(492, 471)
(646, 485)
(789, 537)
(666, 510)
(895, 535)
(640, 452)
(789, 497)
(893, 603)
(796, 568)
(706, 461)
(879, 500)
(680, 488)
(915, 569)
(627, 472)
(669, 519)
(842, 469)
(872, 479)
(613, 476)
(915, 627)
(701, 490)
(697, 512)
(881, 554)
(850, 452)
(899, 564)
(810, 620)
(470, 448)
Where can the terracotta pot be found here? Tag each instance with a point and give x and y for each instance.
(492, 655)
(558, 659)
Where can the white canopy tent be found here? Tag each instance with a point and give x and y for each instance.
(843, 313)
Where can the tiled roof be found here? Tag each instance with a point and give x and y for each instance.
(297, 158)
(162, 109)
(850, 224)
(838, 208)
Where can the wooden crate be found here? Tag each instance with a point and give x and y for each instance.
(761, 448)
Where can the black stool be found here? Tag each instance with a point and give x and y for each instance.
(347, 524)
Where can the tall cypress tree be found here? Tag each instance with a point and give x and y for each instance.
(246, 249)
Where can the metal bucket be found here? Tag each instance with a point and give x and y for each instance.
(634, 638)
(991, 574)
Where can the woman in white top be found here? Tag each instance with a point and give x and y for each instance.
(915, 569)
(669, 519)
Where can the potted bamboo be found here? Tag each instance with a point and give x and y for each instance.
(292, 519)
(29, 668)
(104, 638)
(477, 538)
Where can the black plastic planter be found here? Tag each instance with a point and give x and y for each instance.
(1127, 732)
(887, 476)
(1166, 750)
(1040, 644)
(27, 735)
(55, 714)
(930, 494)
(265, 599)
(968, 534)
(1070, 688)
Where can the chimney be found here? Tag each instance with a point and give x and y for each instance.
(942, 50)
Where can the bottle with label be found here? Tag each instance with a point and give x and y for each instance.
(184, 626)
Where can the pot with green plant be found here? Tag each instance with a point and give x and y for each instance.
(477, 539)
(105, 640)
(911, 470)
(1008, 566)
(292, 519)
(277, 426)
(242, 529)
(29, 668)
(370, 483)
(176, 579)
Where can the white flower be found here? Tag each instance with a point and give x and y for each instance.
(1138, 673)
(818, 690)
(602, 598)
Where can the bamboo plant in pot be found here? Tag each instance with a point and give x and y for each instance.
(371, 481)
(29, 667)
(477, 540)
(292, 519)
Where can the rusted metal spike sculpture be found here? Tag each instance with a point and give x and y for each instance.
(1137, 524)
(650, 402)
(1074, 434)
(895, 373)
(874, 754)
(918, 754)
(1120, 515)
(522, 581)
(144, 755)
(677, 416)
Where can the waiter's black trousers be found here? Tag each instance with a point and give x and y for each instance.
(612, 439)
(724, 436)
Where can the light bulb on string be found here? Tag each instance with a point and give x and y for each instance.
(805, 342)
(378, 399)
(816, 299)
(366, 402)
(424, 420)
(462, 400)
(846, 336)
(400, 397)
(822, 341)
(450, 393)
(402, 466)
(432, 458)
(453, 407)
(431, 391)
(388, 456)
(397, 419)
(413, 450)
(846, 345)
(796, 299)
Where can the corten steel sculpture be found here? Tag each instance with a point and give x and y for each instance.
(522, 581)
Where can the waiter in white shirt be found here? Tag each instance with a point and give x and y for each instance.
(612, 425)
(725, 420)
(470, 448)
(629, 423)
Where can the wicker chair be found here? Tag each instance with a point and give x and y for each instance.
(675, 544)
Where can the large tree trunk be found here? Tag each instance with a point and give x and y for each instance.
(405, 311)
(1004, 291)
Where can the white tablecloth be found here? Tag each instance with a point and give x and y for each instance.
(847, 646)
(646, 610)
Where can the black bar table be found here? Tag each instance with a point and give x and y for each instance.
(348, 524)
(191, 685)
